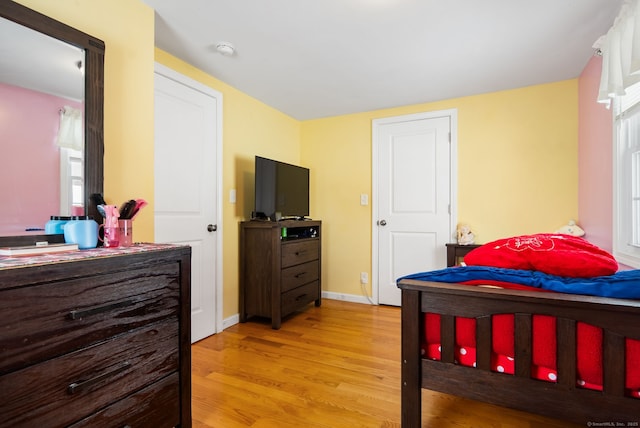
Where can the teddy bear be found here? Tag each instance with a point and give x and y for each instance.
(571, 229)
(465, 235)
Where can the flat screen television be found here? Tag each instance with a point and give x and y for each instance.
(282, 190)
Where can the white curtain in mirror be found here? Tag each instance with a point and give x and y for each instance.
(70, 131)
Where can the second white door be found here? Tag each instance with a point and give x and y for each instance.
(187, 130)
(412, 208)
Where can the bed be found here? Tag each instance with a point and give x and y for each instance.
(567, 347)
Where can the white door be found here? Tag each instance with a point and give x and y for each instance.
(412, 215)
(187, 142)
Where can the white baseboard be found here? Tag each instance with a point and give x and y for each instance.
(235, 319)
(346, 297)
(232, 320)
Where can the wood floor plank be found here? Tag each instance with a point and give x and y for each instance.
(329, 367)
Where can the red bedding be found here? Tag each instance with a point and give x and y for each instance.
(552, 253)
(589, 349)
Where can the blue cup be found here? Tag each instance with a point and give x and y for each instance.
(82, 230)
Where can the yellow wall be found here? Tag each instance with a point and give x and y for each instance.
(517, 171)
(249, 128)
(127, 28)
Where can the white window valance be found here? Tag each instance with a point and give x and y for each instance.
(621, 53)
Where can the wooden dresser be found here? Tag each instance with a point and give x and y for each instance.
(279, 268)
(97, 337)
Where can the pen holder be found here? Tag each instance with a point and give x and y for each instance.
(125, 229)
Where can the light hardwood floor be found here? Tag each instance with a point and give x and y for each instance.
(333, 366)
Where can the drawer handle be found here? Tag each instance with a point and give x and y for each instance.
(76, 315)
(77, 387)
(300, 275)
(301, 252)
(300, 297)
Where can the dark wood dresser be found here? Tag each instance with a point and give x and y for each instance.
(97, 337)
(279, 268)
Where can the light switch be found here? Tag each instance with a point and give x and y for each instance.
(364, 199)
(232, 196)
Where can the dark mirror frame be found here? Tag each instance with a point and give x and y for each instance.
(94, 105)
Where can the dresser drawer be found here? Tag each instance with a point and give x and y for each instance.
(299, 297)
(48, 320)
(298, 275)
(73, 386)
(294, 253)
(157, 405)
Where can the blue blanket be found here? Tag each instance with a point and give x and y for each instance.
(622, 284)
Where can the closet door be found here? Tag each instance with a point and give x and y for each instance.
(187, 172)
(412, 194)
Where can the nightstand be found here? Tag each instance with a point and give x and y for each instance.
(456, 252)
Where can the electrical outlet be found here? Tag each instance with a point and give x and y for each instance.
(364, 278)
(364, 199)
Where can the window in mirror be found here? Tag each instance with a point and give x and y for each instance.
(71, 182)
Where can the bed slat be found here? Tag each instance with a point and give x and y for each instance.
(448, 335)
(523, 339)
(483, 342)
(566, 349)
(613, 356)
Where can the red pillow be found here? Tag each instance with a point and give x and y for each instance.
(555, 254)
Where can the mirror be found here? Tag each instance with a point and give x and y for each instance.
(83, 58)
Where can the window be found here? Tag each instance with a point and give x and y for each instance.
(626, 219)
(71, 182)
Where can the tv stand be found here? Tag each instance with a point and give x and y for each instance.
(279, 268)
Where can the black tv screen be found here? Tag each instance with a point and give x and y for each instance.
(281, 188)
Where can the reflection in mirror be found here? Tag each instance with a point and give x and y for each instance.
(41, 128)
(51, 123)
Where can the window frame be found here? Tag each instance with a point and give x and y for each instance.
(71, 185)
(626, 191)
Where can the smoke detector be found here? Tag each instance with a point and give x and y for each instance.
(225, 48)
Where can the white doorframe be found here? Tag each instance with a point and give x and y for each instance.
(453, 168)
(180, 78)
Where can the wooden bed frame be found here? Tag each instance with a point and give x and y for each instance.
(619, 318)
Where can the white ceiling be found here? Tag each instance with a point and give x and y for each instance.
(320, 58)
(35, 61)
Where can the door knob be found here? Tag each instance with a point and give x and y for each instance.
(212, 227)
(382, 223)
